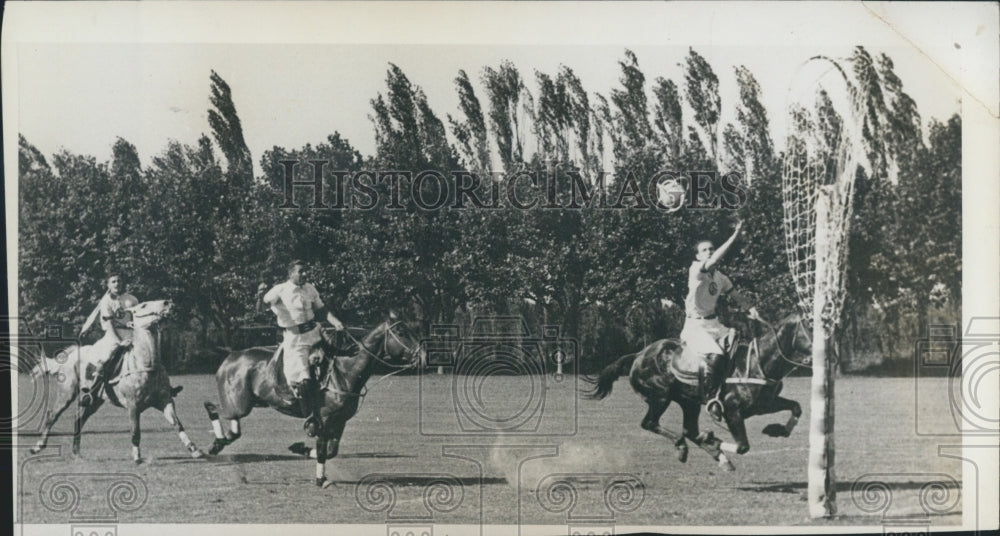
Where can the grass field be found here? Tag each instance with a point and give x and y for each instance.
(418, 441)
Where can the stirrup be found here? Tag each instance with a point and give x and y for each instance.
(715, 409)
(310, 426)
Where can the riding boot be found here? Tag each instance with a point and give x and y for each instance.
(712, 386)
(89, 394)
(310, 404)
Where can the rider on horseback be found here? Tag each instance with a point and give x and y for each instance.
(296, 303)
(703, 332)
(115, 318)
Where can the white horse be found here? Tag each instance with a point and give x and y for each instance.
(143, 382)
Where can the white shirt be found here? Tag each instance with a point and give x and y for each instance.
(293, 304)
(113, 310)
(704, 289)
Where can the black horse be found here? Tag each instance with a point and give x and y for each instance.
(752, 387)
(254, 378)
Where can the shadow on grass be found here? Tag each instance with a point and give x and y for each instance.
(252, 457)
(842, 487)
(375, 455)
(404, 480)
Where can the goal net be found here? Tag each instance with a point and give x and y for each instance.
(825, 146)
(823, 152)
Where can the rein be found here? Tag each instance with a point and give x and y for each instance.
(131, 325)
(781, 353)
(754, 350)
(364, 347)
(385, 349)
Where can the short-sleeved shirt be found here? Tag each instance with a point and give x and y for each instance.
(704, 289)
(114, 310)
(293, 304)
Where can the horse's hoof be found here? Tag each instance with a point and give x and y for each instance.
(300, 448)
(139, 461)
(682, 455)
(197, 453)
(327, 484)
(310, 428)
(725, 464)
(775, 430)
(35, 450)
(174, 391)
(216, 448)
(322, 482)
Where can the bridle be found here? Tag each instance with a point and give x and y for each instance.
(753, 349)
(160, 316)
(385, 350)
(409, 352)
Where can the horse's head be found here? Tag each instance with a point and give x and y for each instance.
(401, 341)
(148, 313)
(794, 340)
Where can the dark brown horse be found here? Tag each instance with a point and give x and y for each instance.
(752, 387)
(252, 378)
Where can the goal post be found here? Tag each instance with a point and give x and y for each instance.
(822, 490)
(821, 159)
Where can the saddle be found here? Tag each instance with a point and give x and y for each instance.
(686, 364)
(324, 372)
(113, 368)
(689, 366)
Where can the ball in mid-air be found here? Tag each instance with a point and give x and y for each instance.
(671, 195)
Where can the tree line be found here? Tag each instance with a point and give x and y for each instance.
(197, 226)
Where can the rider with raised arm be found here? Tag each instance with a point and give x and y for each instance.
(703, 332)
(112, 311)
(297, 304)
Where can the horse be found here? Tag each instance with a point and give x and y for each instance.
(142, 384)
(254, 378)
(753, 386)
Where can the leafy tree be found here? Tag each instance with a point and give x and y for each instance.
(318, 236)
(668, 120)
(631, 117)
(703, 96)
(228, 133)
(506, 92)
(930, 209)
(471, 132)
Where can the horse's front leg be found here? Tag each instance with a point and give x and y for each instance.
(170, 413)
(781, 404)
(81, 420)
(133, 417)
(327, 446)
(707, 441)
(737, 427)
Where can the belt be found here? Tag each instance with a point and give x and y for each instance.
(709, 317)
(304, 327)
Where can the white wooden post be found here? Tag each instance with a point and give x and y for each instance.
(822, 484)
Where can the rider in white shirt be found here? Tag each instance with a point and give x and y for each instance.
(115, 319)
(703, 333)
(297, 304)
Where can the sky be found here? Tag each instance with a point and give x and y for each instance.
(82, 97)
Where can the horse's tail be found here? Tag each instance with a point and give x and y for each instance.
(48, 366)
(606, 378)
